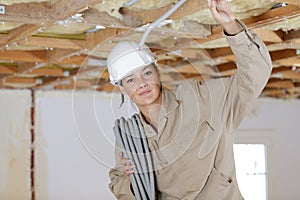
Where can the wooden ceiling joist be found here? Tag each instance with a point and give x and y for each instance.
(280, 84)
(270, 17)
(53, 43)
(21, 32)
(4, 69)
(282, 54)
(23, 56)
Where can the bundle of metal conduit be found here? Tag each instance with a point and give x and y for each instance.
(132, 140)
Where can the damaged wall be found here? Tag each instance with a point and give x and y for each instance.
(15, 145)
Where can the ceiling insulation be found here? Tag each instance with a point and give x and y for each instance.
(112, 7)
(11, 2)
(286, 25)
(242, 9)
(7, 26)
(76, 37)
(69, 28)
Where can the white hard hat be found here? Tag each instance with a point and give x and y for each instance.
(125, 58)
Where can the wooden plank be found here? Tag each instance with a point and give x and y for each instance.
(282, 84)
(23, 56)
(151, 15)
(20, 80)
(54, 43)
(268, 35)
(47, 72)
(92, 16)
(293, 34)
(281, 54)
(8, 69)
(226, 66)
(290, 74)
(274, 92)
(21, 32)
(3, 39)
(294, 61)
(270, 17)
(219, 52)
(293, 2)
(95, 38)
(73, 60)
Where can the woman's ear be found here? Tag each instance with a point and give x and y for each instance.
(122, 90)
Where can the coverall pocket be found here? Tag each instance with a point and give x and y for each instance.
(209, 141)
(217, 187)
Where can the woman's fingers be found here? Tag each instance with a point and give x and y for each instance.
(128, 165)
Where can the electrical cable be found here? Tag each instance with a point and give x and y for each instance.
(132, 140)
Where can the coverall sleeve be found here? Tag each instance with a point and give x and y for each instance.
(119, 185)
(254, 68)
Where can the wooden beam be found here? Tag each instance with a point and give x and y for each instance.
(293, 61)
(268, 35)
(274, 92)
(23, 56)
(226, 66)
(54, 43)
(20, 80)
(47, 72)
(8, 69)
(270, 17)
(290, 74)
(293, 2)
(95, 38)
(3, 39)
(21, 32)
(189, 7)
(281, 54)
(219, 52)
(293, 34)
(92, 16)
(280, 84)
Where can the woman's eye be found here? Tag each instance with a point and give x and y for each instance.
(130, 81)
(148, 73)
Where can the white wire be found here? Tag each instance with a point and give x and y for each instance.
(159, 20)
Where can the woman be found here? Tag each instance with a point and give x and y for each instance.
(190, 130)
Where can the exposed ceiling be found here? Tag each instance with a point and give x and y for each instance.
(63, 44)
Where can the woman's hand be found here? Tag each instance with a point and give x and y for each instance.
(223, 14)
(128, 166)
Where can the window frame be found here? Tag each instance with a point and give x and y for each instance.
(265, 137)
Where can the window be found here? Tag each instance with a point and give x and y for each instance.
(250, 161)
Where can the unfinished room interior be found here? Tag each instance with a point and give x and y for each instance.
(58, 107)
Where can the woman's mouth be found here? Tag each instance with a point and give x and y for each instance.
(144, 93)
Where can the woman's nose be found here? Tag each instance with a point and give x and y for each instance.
(142, 82)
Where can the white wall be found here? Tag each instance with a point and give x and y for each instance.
(75, 145)
(72, 172)
(278, 122)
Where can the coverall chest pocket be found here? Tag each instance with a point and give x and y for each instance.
(210, 138)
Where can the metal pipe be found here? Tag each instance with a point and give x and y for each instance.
(147, 153)
(141, 181)
(139, 153)
(129, 3)
(120, 142)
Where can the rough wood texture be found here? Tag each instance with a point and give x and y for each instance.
(76, 36)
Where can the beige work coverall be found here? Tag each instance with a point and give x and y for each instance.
(193, 147)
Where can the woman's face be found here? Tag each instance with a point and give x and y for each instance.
(143, 86)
